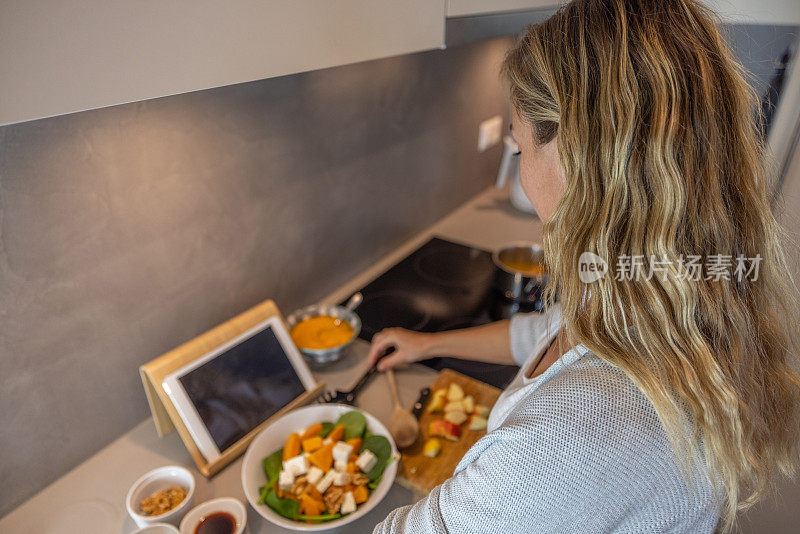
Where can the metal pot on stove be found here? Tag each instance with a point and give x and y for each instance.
(520, 273)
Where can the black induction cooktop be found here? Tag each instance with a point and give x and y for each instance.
(440, 286)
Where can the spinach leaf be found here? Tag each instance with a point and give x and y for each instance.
(374, 483)
(382, 449)
(326, 429)
(273, 465)
(354, 424)
(285, 507)
(262, 494)
(367, 434)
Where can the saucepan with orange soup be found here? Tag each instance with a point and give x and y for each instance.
(324, 333)
(520, 273)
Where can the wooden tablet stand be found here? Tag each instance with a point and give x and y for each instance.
(166, 416)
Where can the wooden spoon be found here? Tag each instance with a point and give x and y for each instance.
(404, 427)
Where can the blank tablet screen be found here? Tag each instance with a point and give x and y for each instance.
(242, 387)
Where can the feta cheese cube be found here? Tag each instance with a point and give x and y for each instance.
(348, 504)
(314, 475)
(296, 466)
(326, 481)
(341, 451)
(285, 480)
(341, 478)
(366, 461)
(327, 441)
(340, 466)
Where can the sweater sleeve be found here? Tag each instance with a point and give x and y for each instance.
(532, 332)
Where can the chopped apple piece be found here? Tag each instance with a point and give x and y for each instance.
(454, 392)
(437, 401)
(476, 422)
(444, 429)
(482, 410)
(468, 403)
(432, 448)
(455, 405)
(455, 416)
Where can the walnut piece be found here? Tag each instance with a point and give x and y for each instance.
(359, 479)
(163, 501)
(333, 499)
(300, 485)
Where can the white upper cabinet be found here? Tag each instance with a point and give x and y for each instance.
(737, 11)
(61, 56)
(461, 8)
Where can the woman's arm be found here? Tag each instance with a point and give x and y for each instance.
(488, 343)
(507, 342)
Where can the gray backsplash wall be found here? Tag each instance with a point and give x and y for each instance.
(128, 230)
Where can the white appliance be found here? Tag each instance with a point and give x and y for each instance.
(509, 170)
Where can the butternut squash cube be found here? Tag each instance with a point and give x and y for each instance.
(310, 506)
(312, 444)
(313, 430)
(292, 447)
(322, 457)
(361, 494)
(337, 434)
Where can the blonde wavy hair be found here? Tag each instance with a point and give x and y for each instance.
(657, 135)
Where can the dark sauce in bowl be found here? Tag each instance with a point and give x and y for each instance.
(217, 523)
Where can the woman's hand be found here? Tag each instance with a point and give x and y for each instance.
(409, 347)
(487, 343)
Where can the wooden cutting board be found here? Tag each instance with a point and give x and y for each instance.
(421, 474)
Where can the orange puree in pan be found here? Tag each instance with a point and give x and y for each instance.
(525, 267)
(323, 332)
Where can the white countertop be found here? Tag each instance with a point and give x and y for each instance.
(90, 498)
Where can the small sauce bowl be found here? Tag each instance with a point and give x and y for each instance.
(153, 482)
(227, 505)
(157, 528)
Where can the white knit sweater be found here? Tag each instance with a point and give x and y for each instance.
(576, 449)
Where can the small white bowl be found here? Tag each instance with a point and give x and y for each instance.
(273, 437)
(222, 504)
(153, 482)
(158, 528)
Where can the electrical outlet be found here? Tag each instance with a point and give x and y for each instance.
(490, 132)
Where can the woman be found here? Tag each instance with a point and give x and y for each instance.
(658, 398)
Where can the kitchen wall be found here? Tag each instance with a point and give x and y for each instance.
(126, 231)
(759, 47)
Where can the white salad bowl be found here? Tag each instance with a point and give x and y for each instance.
(273, 438)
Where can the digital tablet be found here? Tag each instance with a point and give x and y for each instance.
(226, 393)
